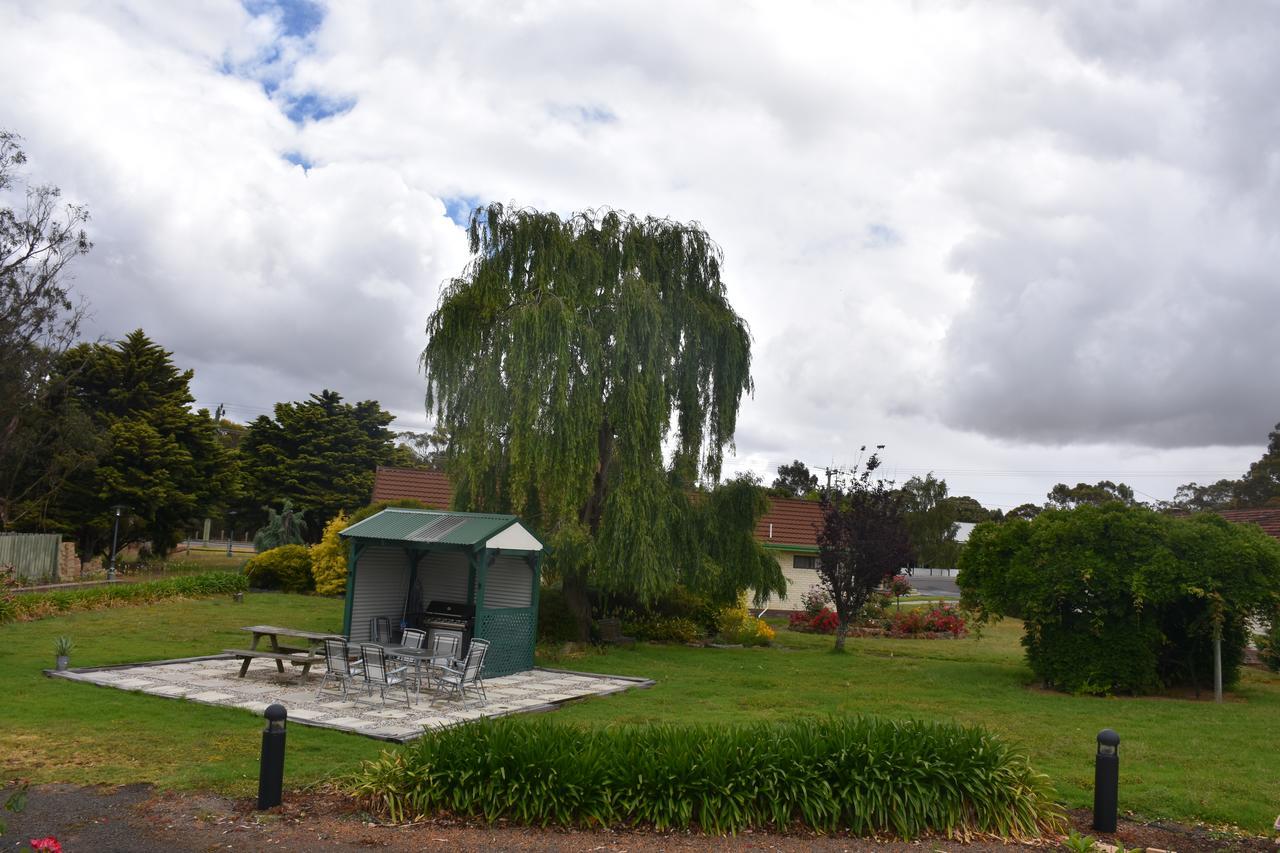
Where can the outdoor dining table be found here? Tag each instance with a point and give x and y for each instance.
(419, 656)
(303, 657)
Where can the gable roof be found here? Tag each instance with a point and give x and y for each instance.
(1267, 519)
(427, 527)
(431, 487)
(790, 521)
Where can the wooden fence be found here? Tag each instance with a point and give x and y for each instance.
(34, 556)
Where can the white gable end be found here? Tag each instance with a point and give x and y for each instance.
(515, 537)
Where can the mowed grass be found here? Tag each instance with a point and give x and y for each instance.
(56, 730)
(1180, 759)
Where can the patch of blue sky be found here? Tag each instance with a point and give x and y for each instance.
(298, 18)
(315, 107)
(296, 158)
(459, 207)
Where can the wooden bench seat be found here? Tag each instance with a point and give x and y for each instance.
(302, 658)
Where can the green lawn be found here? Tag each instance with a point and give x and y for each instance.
(1179, 759)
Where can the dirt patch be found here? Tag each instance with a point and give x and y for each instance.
(136, 818)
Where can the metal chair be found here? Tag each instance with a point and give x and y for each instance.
(340, 666)
(413, 638)
(378, 673)
(461, 676)
(446, 644)
(379, 629)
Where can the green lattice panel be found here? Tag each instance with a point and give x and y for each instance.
(510, 632)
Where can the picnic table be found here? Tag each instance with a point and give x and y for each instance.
(294, 654)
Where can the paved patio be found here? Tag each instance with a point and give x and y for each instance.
(214, 681)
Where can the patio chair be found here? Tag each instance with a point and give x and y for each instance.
(379, 673)
(444, 644)
(340, 667)
(414, 639)
(462, 676)
(380, 629)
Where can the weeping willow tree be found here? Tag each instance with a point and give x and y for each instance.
(588, 371)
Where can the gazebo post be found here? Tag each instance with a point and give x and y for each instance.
(353, 555)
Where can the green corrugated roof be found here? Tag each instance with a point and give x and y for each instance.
(428, 527)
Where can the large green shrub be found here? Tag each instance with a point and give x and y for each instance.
(555, 621)
(286, 568)
(1118, 598)
(864, 775)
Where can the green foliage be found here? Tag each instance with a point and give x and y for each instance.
(29, 606)
(558, 364)
(864, 775)
(931, 521)
(163, 462)
(286, 568)
(44, 435)
(864, 537)
(1062, 496)
(794, 481)
(286, 527)
(1077, 843)
(555, 620)
(329, 558)
(736, 625)
(320, 454)
(63, 645)
(1258, 487)
(663, 629)
(1119, 598)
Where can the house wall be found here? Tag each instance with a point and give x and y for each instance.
(798, 580)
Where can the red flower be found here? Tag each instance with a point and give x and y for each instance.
(48, 843)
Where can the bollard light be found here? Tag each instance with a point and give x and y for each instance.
(271, 768)
(1106, 781)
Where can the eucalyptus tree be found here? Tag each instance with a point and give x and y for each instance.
(588, 372)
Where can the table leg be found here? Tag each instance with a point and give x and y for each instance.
(244, 667)
(275, 647)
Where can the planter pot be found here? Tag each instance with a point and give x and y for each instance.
(62, 662)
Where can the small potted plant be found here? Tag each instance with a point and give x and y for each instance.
(62, 649)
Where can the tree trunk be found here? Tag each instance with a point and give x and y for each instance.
(579, 603)
(842, 628)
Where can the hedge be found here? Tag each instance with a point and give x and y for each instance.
(30, 606)
(861, 774)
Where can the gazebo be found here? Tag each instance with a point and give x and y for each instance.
(486, 566)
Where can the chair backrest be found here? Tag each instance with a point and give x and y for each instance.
(335, 655)
(475, 659)
(413, 637)
(375, 662)
(444, 642)
(379, 629)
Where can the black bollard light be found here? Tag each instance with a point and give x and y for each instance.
(271, 768)
(1106, 781)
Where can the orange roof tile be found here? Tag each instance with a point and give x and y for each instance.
(1267, 519)
(790, 521)
(431, 487)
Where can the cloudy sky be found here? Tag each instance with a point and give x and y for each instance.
(1016, 243)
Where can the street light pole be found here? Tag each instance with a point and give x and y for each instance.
(115, 537)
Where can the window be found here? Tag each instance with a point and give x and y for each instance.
(798, 562)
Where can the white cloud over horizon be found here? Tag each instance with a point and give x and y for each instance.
(1017, 244)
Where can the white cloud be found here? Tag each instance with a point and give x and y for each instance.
(997, 238)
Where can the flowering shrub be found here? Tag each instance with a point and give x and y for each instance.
(939, 619)
(663, 629)
(822, 622)
(815, 600)
(735, 625)
(47, 843)
(898, 585)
